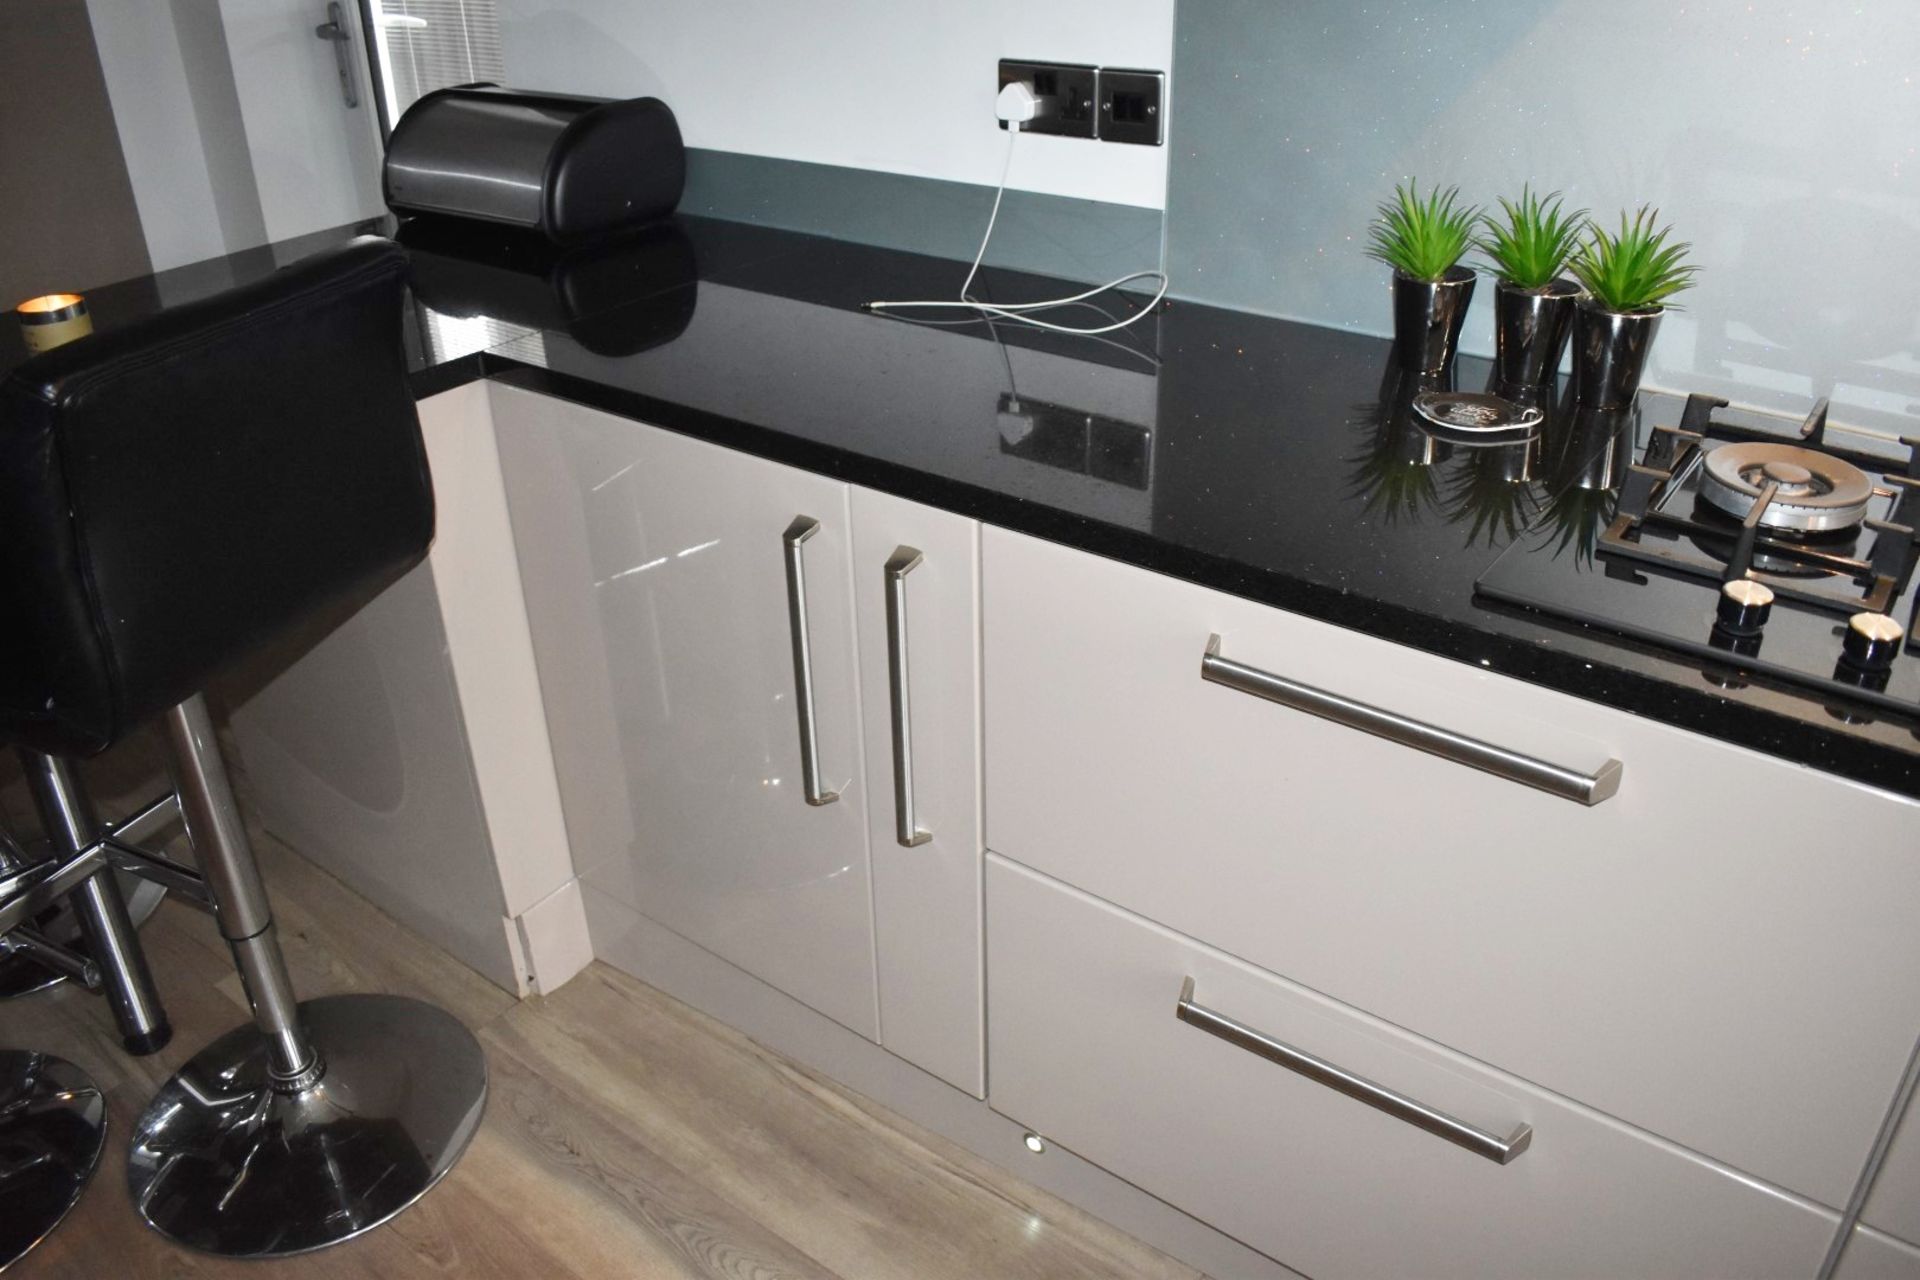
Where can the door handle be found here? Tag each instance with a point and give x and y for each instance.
(1555, 779)
(906, 830)
(794, 539)
(336, 33)
(1488, 1145)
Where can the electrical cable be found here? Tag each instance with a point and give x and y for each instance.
(1017, 311)
(1142, 354)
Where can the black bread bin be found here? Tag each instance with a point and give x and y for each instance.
(570, 168)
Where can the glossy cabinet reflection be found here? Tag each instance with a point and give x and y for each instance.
(1087, 1050)
(1894, 1203)
(1641, 955)
(1871, 1255)
(662, 576)
(926, 896)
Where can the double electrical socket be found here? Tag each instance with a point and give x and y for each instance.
(1107, 103)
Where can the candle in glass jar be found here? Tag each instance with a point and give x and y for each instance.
(53, 319)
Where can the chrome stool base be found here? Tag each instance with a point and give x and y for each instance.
(53, 1124)
(224, 1162)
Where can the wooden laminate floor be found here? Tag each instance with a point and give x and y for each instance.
(626, 1135)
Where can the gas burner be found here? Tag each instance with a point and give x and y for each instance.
(1768, 557)
(1811, 492)
(1795, 508)
(1790, 553)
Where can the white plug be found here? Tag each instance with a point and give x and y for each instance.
(1016, 104)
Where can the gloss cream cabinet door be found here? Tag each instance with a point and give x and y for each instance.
(1893, 1204)
(693, 617)
(916, 593)
(1723, 951)
(1088, 1047)
(1870, 1255)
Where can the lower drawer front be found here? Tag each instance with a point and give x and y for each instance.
(1085, 1047)
(1722, 953)
(1873, 1256)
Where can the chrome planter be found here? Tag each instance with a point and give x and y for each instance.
(1530, 331)
(1610, 354)
(1427, 317)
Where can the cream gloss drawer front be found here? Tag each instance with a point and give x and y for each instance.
(1893, 1206)
(1374, 1154)
(1870, 1255)
(1720, 951)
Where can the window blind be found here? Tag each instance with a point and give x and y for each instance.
(430, 44)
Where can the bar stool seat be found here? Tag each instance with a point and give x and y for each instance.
(178, 497)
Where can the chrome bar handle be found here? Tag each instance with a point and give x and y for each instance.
(1378, 1096)
(802, 528)
(902, 562)
(1568, 784)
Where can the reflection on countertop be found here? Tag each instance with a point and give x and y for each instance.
(1275, 460)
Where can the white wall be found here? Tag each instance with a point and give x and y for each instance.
(146, 73)
(1780, 137)
(902, 86)
(315, 162)
(232, 123)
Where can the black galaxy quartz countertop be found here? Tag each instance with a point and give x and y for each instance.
(1267, 458)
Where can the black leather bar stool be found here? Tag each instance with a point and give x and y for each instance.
(53, 1126)
(53, 1120)
(175, 497)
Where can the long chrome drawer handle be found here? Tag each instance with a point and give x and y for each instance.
(1479, 1141)
(802, 528)
(908, 832)
(1568, 784)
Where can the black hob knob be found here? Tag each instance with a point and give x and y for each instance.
(1872, 640)
(1744, 606)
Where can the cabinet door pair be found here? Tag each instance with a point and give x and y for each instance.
(762, 690)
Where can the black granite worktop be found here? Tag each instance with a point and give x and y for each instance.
(1262, 457)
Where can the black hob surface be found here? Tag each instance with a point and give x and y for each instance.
(1631, 545)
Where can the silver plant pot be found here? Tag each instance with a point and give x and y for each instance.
(1530, 330)
(1427, 317)
(1610, 353)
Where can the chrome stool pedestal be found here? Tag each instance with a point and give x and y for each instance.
(53, 1124)
(229, 1161)
(27, 966)
(22, 972)
(112, 945)
(27, 962)
(320, 1120)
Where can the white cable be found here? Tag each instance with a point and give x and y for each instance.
(1006, 171)
(1015, 311)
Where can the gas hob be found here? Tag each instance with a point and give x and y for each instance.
(1767, 556)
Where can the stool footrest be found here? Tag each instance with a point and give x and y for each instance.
(26, 893)
(182, 880)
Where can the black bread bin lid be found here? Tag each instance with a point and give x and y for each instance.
(570, 168)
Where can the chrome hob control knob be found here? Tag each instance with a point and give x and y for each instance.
(1872, 640)
(1744, 606)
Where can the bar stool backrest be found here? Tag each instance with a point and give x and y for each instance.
(177, 494)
